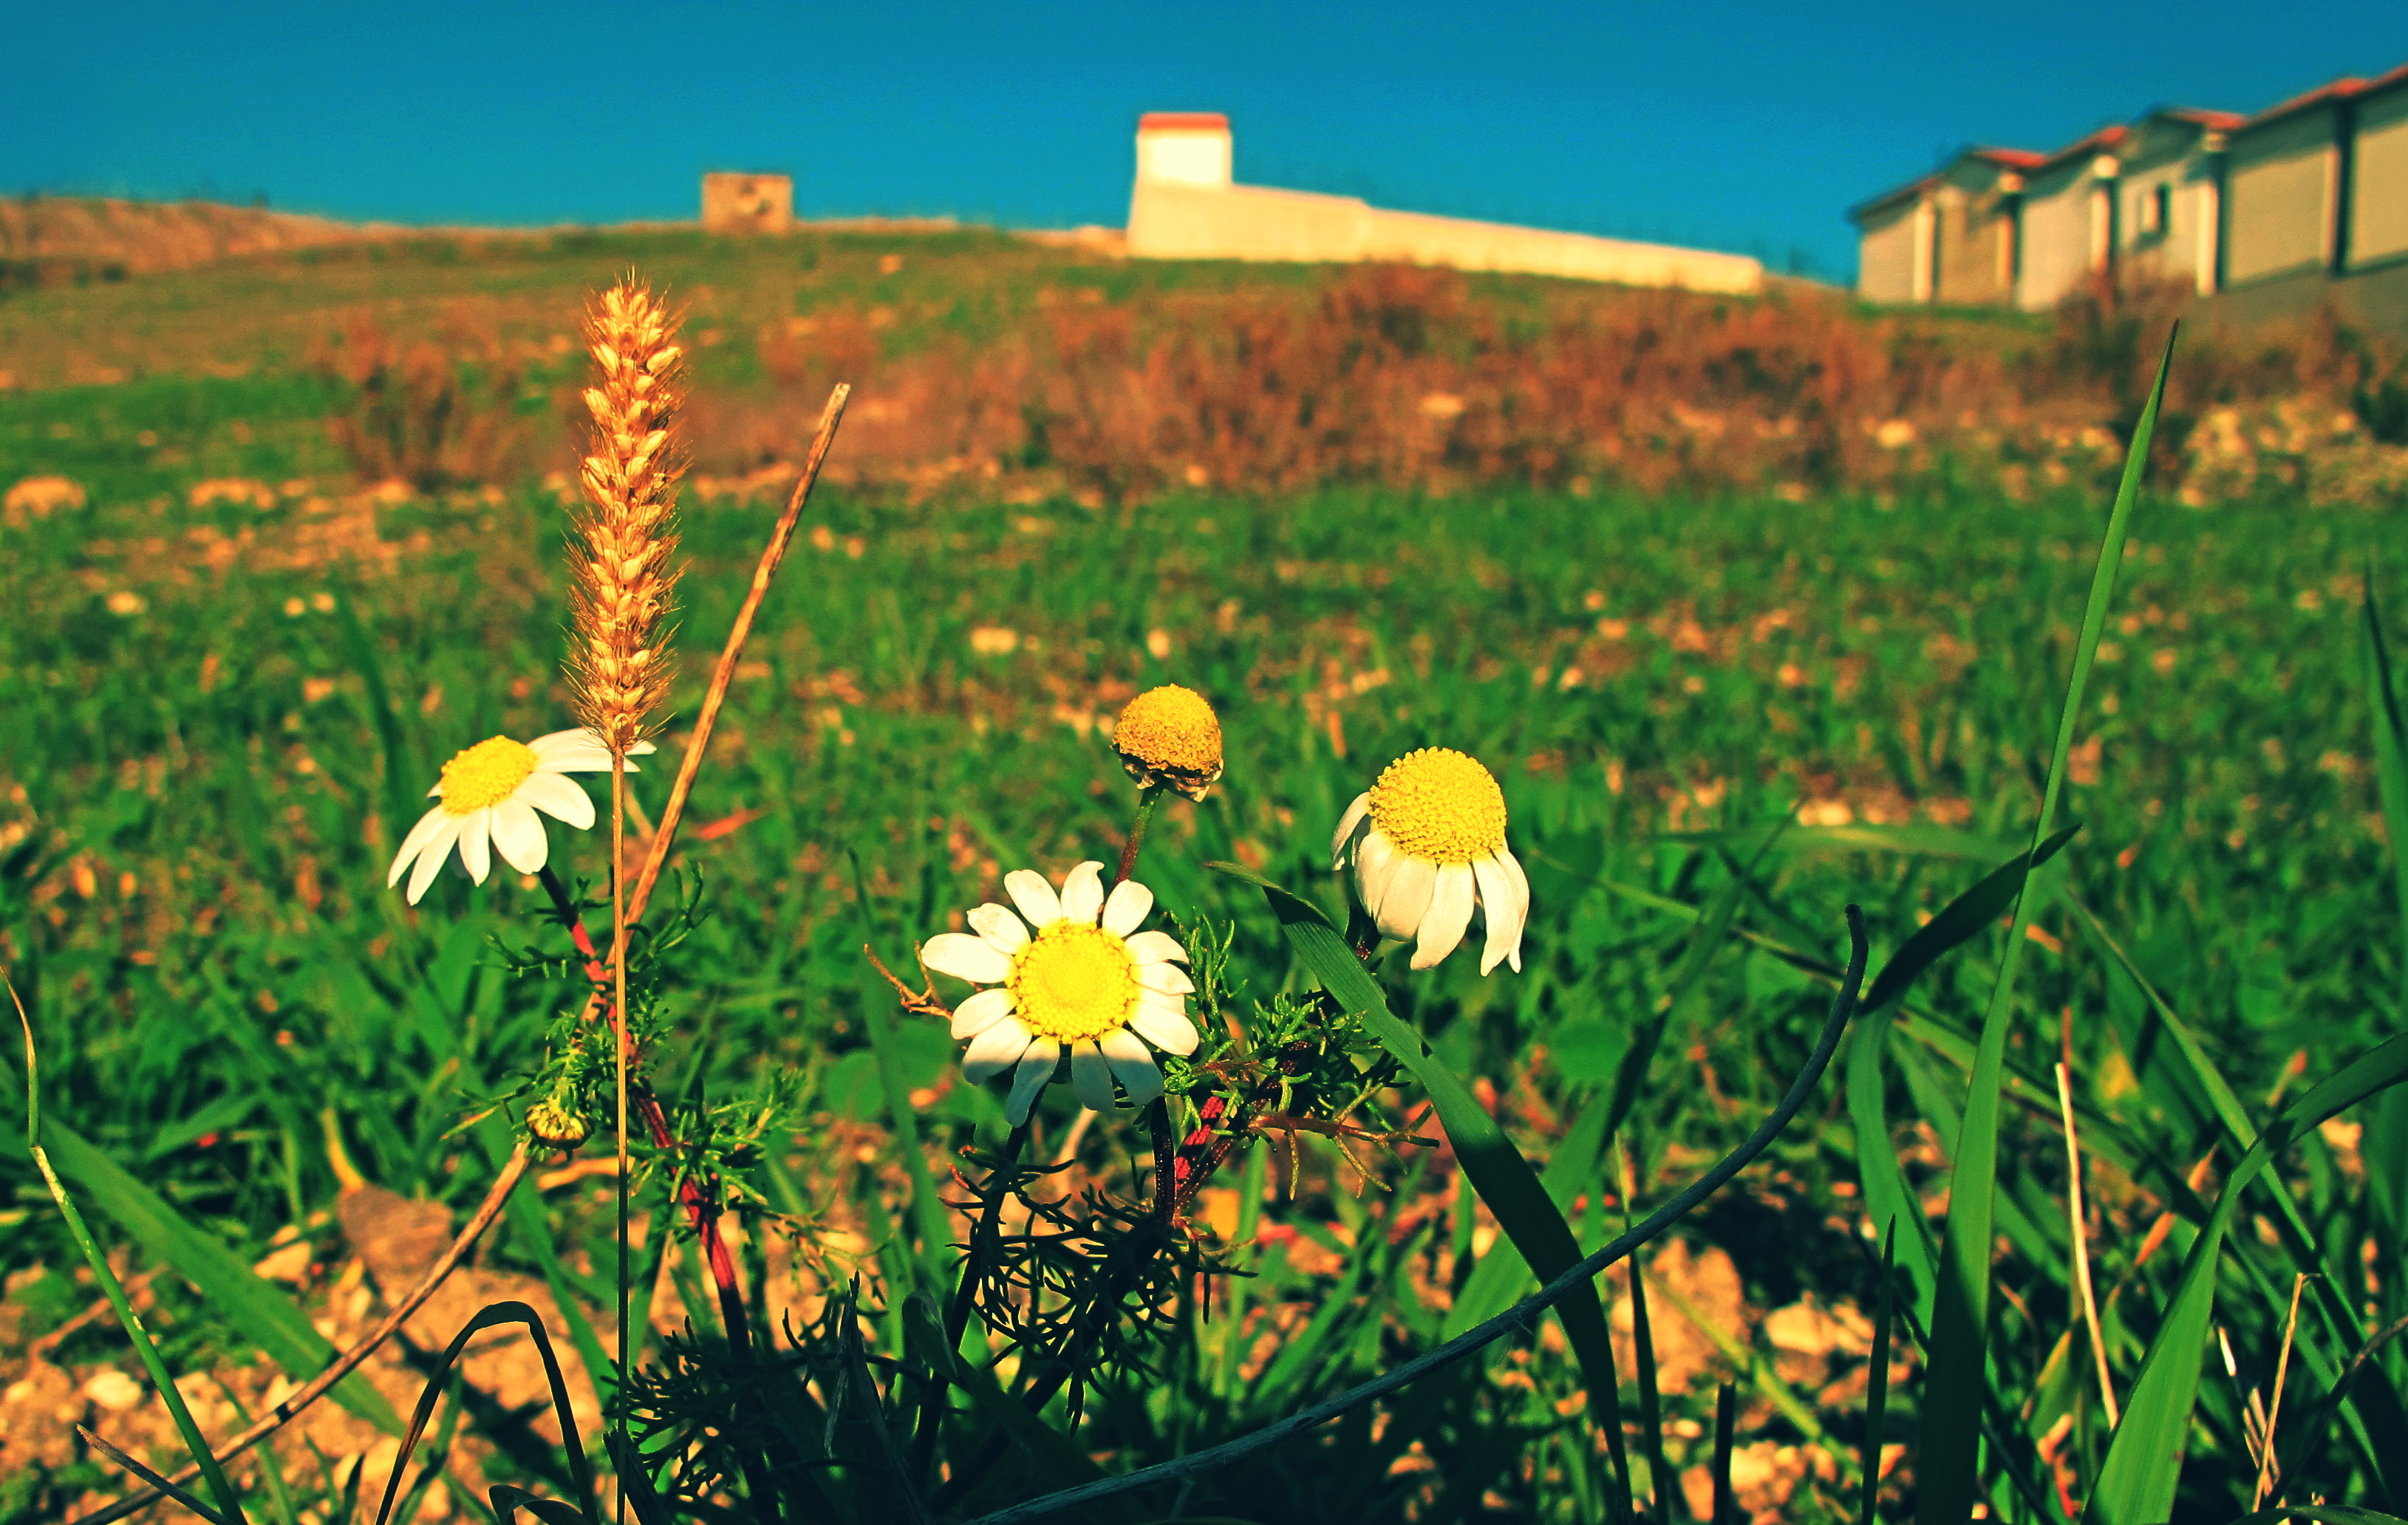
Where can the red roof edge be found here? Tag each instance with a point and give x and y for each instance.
(1190, 122)
(2105, 139)
(2339, 90)
(2201, 116)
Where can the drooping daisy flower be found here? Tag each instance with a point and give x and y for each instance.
(489, 794)
(1169, 735)
(1064, 979)
(1428, 843)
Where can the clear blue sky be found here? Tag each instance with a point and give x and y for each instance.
(1738, 126)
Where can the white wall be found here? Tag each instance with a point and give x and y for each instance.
(1887, 248)
(2064, 230)
(1174, 219)
(2280, 183)
(1184, 155)
(2378, 195)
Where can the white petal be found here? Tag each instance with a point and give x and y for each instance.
(1033, 896)
(1126, 907)
(411, 845)
(1083, 893)
(1450, 912)
(519, 836)
(1035, 1070)
(1513, 867)
(554, 794)
(1155, 948)
(965, 957)
(1164, 1028)
(1346, 825)
(1091, 1077)
(1375, 864)
(477, 843)
(981, 1012)
(1504, 907)
(578, 751)
(432, 856)
(1134, 1065)
(1406, 898)
(996, 1050)
(1001, 930)
(1166, 979)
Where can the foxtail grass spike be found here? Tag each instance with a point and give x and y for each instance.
(621, 584)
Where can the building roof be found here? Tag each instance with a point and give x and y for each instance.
(2016, 159)
(2325, 95)
(2392, 81)
(1183, 122)
(2092, 143)
(2223, 121)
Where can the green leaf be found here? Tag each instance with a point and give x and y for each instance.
(2136, 1484)
(1502, 1277)
(1957, 1376)
(1046, 1445)
(1496, 1168)
(1889, 1201)
(1961, 920)
(256, 1309)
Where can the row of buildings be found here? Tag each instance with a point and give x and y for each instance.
(2269, 215)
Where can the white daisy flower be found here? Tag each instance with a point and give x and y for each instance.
(489, 794)
(1094, 986)
(1428, 845)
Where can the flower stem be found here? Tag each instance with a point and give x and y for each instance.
(1146, 799)
(619, 1035)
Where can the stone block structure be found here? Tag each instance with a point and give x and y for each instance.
(747, 203)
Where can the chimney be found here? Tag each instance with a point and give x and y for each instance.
(1184, 148)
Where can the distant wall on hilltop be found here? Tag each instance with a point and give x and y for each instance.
(1185, 205)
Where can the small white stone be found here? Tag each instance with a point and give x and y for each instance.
(112, 1389)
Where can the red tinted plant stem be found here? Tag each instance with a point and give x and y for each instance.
(701, 1210)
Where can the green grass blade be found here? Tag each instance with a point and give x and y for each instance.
(1502, 1277)
(1497, 1170)
(254, 1306)
(1887, 1197)
(1961, 920)
(2136, 1484)
(2391, 763)
(877, 1014)
(1877, 1379)
(1958, 1377)
(1889, 1201)
(229, 1504)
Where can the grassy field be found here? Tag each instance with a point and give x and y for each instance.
(230, 676)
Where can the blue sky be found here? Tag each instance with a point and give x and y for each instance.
(1749, 128)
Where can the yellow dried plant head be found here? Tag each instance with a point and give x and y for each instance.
(1169, 737)
(620, 583)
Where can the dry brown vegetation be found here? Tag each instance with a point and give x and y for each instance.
(1416, 379)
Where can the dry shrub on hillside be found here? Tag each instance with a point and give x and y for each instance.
(430, 414)
(1415, 378)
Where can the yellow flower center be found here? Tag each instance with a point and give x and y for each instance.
(1439, 805)
(485, 774)
(1170, 728)
(1074, 981)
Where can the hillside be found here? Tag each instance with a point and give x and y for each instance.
(981, 355)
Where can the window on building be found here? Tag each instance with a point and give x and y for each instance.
(2156, 210)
